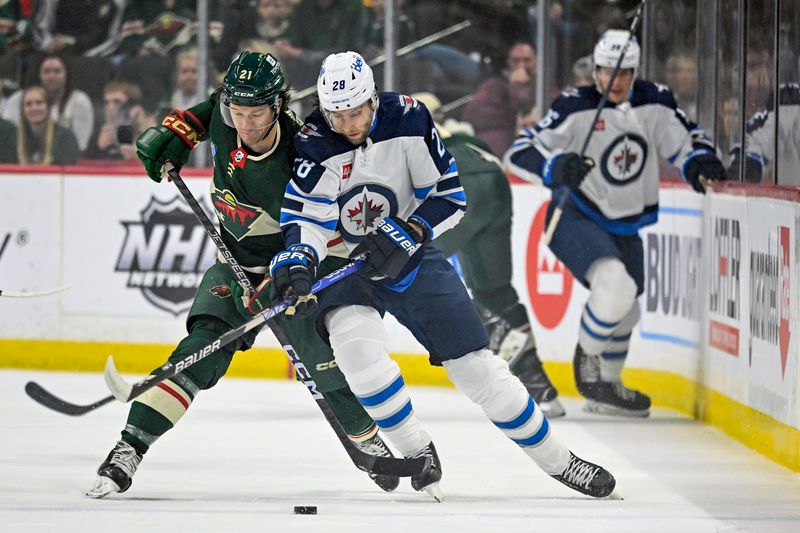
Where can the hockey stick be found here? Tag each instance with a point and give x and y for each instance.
(363, 461)
(551, 227)
(25, 294)
(126, 392)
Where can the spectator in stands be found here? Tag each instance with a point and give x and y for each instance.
(78, 27)
(185, 94)
(318, 28)
(252, 27)
(124, 119)
(499, 101)
(8, 142)
(162, 27)
(40, 140)
(69, 107)
(15, 34)
(448, 65)
(681, 76)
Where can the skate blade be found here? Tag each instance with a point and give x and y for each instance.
(552, 409)
(101, 488)
(436, 491)
(611, 410)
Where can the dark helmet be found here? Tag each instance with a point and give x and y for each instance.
(254, 79)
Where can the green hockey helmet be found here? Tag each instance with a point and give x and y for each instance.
(254, 79)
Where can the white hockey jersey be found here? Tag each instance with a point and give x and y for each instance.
(339, 192)
(621, 191)
(760, 139)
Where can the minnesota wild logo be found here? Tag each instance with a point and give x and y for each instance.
(237, 218)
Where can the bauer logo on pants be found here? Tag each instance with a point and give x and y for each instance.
(165, 255)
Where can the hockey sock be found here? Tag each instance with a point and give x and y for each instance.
(485, 379)
(616, 350)
(350, 414)
(613, 293)
(156, 411)
(359, 345)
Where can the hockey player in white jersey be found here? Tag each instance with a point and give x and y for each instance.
(760, 139)
(612, 192)
(373, 174)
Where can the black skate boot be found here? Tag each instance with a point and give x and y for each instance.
(528, 368)
(614, 398)
(116, 472)
(429, 479)
(587, 478)
(375, 446)
(587, 372)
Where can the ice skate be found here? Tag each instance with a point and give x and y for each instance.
(587, 372)
(375, 446)
(528, 368)
(429, 479)
(614, 398)
(587, 478)
(116, 472)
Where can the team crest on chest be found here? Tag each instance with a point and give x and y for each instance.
(362, 207)
(236, 217)
(624, 159)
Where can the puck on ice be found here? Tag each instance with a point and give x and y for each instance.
(305, 509)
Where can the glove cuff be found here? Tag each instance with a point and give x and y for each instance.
(186, 126)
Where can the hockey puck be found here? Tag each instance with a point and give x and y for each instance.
(305, 509)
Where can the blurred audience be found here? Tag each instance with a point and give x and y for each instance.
(499, 102)
(681, 76)
(124, 119)
(82, 27)
(69, 107)
(40, 140)
(185, 94)
(582, 71)
(8, 142)
(254, 26)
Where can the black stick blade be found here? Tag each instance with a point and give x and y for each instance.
(51, 401)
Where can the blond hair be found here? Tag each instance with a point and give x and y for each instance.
(22, 133)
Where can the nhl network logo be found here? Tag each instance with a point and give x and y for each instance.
(165, 254)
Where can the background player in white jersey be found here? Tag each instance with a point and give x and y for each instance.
(612, 192)
(373, 169)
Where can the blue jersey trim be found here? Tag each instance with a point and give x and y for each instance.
(288, 218)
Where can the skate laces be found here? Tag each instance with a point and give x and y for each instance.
(126, 458)
(374, 446)
(589, 368)
(579, 472)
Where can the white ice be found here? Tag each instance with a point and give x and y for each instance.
(248, 451)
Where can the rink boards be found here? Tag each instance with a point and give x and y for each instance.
(717, 339)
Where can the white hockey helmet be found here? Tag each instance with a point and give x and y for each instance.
(345, 82)
(610, 46)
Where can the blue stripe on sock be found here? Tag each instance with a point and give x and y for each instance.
(519, 421)
(395, 419)
(382, 396)
(614, 355)
(537, 437)
(598, 321)
(591, 333)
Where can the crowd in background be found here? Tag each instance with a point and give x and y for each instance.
(107, 69)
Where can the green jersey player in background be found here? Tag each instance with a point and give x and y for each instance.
(251, 132)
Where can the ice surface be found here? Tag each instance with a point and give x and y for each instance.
(248, 451)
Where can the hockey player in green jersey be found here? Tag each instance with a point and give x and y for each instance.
(482, 244)
(251, 131)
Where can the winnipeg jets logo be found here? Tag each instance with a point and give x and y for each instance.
(624, 159)
(365, 213)
(362, 207)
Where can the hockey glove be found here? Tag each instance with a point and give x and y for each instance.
(701, 168)
(391, 247)
(251, 304)
(567, 169)
(178, 134)
(293, 272)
